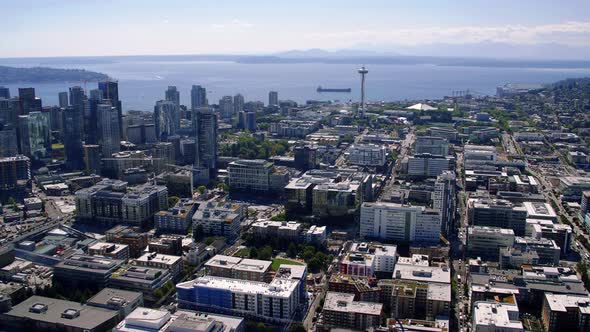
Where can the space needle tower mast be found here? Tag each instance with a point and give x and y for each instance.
(363, 71)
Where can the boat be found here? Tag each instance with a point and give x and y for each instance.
(320, 89)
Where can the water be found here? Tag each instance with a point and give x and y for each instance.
(142, 82)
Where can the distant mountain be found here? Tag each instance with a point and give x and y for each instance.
(321, 53)
(487, 49)
(44, 75)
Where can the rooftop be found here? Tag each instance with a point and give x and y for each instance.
(344, 302)
(561, 302)
(500, 315)
(65, 313)
(159, 258)
(278, 287)
(110, 296)
(423, 273)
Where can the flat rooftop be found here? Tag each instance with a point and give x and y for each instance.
(111, 295)
(500, 315)
(344, 302)
(422, 273)
(561, 302)
(278, 287)
(159, 258)
(237, 263)
(49, 310)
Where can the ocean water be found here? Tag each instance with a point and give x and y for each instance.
(142, 81)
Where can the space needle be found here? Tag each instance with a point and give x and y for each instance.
(363, 71)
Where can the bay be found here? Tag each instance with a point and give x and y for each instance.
(143, 81)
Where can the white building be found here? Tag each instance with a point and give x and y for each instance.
(151, 320)
(397, 222)
(364, 259)
(316, 234)
(367, 155)
(428, 165)
(484, 241)
(496, 317)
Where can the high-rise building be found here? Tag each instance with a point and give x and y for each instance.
(24, 144)
(167, 119)
(173, 95)
(8, 141)
(226, 107)
(55, 118)
(92, 159)
(250, 122)
(29, 102)
(205, 126)
(9, 111)
(238, 103)
(4, 92)
(77, 96)
(63, 99)
(90, 117)
(110, 90)
(12, 170)
(397, 222)
(443, 199)
(110, 139)
(72, 119)
(306, 157)
(198, 97)
(497, 213)
(247, 121)
(273, 98)
(39, 134)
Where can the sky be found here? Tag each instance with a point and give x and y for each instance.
(36, 28)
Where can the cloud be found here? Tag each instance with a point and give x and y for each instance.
(569, 33)
(233, 24)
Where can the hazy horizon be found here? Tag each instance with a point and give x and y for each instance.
(60, 28)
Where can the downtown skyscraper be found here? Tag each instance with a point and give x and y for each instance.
(205, 126)
(110, 139)
(72, 136)
(198, 97)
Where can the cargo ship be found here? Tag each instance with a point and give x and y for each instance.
(320, 89)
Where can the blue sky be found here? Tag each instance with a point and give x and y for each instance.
(109, 27)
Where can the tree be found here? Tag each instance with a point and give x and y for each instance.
(292, 250)
(172, 200)
(265, 253)
(279, 217)
(201, 189)
(254, 253)
(12, 202)
(198, 232)
(223, 187)
(297, 327)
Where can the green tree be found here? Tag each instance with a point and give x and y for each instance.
(292, 250)
(279, 217)
(198, 232)
(172, 200)
(223, 187)
(297, 327)
(265, 253)
(253, 253)
(201, 189)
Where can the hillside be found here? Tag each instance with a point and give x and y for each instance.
(44, 75)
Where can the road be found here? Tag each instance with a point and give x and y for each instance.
(406, 145)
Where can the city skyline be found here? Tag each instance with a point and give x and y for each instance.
(262, 27)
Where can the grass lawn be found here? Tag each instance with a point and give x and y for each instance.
(244, 252)
(278, 261)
